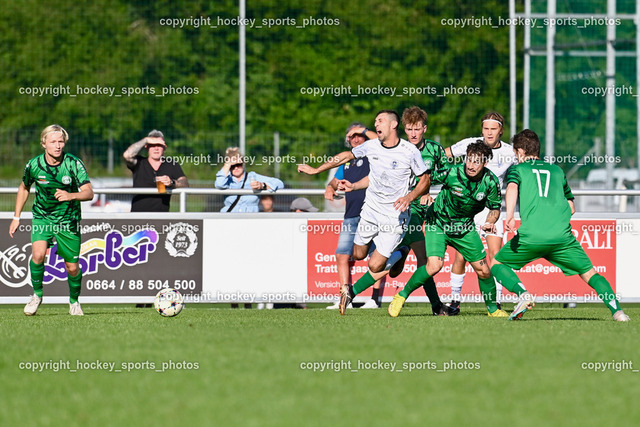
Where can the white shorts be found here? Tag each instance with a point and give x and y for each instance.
(386, 233)
(481, 219)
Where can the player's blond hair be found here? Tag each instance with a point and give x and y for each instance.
(51, 129)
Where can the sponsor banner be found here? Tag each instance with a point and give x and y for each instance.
(117, 258)
(597, 237)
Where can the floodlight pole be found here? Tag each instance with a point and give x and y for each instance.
(637, 19)
(242, 78)
(526, 84)
(550, 113)
(610, 132)
(512, 67)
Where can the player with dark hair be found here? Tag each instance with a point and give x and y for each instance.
(414, 120)
(466, 190)
(393, 163)
(61, 184)
(546, 206)
(492, 129)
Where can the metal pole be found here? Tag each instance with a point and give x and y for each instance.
(110, 154)
(183, 202)
(276, 152)
(242, 79)
(512, 67)
(527, 68)
(638, 83)
(610, 137)
(551, 83)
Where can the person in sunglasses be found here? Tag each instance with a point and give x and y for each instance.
(234, 175)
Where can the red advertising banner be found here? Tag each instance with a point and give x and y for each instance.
(546, 281)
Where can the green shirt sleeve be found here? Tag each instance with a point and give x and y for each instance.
(27, 176)
(81, 175)
(512, 175)
(567, 190)
(494, 196)
(439, 176)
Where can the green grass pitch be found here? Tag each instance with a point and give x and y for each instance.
(254, 367)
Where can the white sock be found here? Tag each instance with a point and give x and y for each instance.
(456, 282)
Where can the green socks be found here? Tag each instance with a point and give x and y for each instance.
(417, 279)
(363, 283)
(488, 290)
(37, 275)
(508, 279)
(603, 288)
(75, 285)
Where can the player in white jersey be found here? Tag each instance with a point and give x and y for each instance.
(503, 158)
(393, 162)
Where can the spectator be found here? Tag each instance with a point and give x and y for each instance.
(233, 175)
(302, 204)
(266, 201)
(151, 172)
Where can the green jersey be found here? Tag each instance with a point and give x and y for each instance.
(434, 158)
(544, 212)
(69, 176)
(460, 199)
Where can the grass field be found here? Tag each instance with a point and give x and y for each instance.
(251, 367)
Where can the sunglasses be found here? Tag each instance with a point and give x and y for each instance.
(237, 165)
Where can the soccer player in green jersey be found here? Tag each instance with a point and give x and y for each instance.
(414, 120)
(61, 184)
(546, 206)
(466, 190)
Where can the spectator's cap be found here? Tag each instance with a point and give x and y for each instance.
(302, 204)
(157, 134)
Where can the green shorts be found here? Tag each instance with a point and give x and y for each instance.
(67, 236)
(569, 256)
(415, 229)
(469, 245)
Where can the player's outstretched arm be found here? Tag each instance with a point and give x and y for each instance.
(334, 162)
(422, 187)
(511, 198)
(85, 193)
(21, 199)
(347, 186)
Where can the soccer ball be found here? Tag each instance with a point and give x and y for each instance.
(169, 302)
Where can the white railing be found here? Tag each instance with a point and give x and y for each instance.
(184, 192)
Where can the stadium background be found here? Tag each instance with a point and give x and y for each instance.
(391, 44)
(253, 366)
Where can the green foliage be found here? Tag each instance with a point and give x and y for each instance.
(391, 43)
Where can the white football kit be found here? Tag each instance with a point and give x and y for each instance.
(390, 178)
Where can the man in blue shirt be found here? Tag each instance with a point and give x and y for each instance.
(233, 175)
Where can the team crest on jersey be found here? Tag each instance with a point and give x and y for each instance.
(359, 162)
(66, 180)
(428, 164)
(480, 196)
(394, 165)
